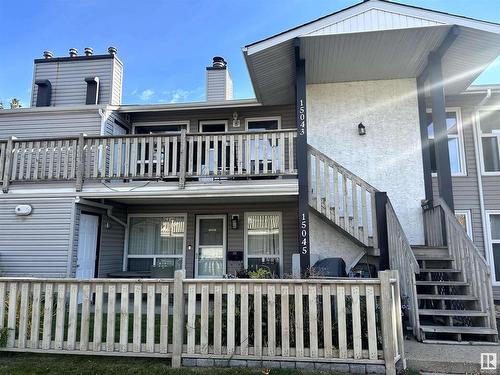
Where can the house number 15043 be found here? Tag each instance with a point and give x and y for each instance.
(302, 117)
(303, 233)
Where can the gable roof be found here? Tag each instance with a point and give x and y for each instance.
(350, 33)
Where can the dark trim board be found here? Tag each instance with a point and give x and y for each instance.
(302, 160)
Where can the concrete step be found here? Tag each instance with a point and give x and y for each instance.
(447, 297)
(443, 283)
(436, 312)
(458, 330)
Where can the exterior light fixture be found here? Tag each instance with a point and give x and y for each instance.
(235, 222)
(236, 121)
(361, 129)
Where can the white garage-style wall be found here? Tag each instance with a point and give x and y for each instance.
(389, 155)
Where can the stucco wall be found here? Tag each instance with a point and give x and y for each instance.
(326, 242)
(389, 155)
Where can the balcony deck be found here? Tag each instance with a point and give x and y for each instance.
(186, 162)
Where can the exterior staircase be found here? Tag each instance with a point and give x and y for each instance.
(446, 285)
(448, 310)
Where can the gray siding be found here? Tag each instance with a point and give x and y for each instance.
(68, 80)
(35, 124)
(117, 87)
(235, 238)
(112, 244)
(287, 113)
(466, 188)
(219, 85)
(38, 244)
(110, 122)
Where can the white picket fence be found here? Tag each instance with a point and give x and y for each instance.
(337, 320)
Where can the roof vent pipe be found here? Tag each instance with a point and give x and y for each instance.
(73, 52)
(88, 51)
(112, 50)
(219, 62)
(47, 54)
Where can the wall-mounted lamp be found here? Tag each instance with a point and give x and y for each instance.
(236, 122)
(108, 225)
(235, 221)
(361, 129)
(190, 247)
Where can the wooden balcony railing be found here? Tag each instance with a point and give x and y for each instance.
(149, 157)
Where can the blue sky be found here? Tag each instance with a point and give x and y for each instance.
(166, 45)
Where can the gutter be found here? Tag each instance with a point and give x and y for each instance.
(107, 207)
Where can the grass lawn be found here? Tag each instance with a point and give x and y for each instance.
(31, 364)
(50, 364)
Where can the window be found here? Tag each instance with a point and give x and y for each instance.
(156, 240)
(163, 127)
(263, 123)
(263, 241)
(455, 142)
(259, 124)
(489, 122)
(213, 126)
(464, 218)
(494, 224)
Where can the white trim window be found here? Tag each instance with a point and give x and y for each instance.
(489, 131)
(264, 241)
(154, 240)
(455, 141)
(464, 218)
(160, 127)
(493, 224)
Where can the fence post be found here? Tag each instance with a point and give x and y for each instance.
(398, 317)
(386, 314)
(9, 156)
(178, 323)
(80, 163)
(183, 160)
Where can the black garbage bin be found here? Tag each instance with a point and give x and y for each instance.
(330, 267)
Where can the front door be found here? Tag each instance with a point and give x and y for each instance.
(210, 259)
(87, 246)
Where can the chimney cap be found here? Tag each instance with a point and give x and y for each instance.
(219, 62)
(112, 50)
(47, 54)
(88, 51)
(73, 52)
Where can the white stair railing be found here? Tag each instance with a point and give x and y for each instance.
(342, 197)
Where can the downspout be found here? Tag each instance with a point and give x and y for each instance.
(102, 113)
(479, 171)
(107, 207)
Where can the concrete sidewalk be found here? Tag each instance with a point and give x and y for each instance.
(449, 359)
